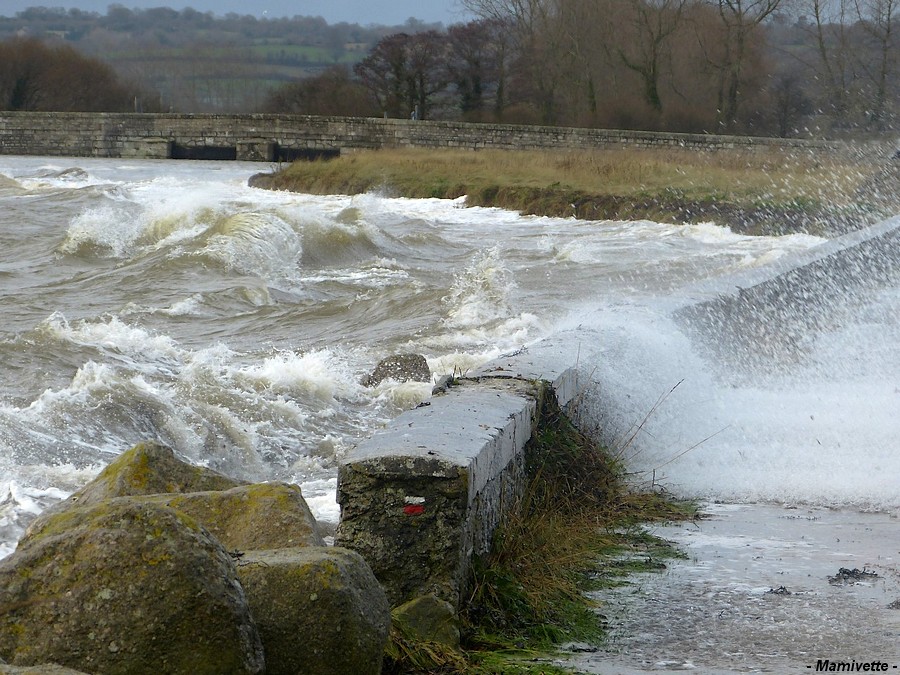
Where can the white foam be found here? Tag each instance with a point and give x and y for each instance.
(323, 374)
(809, 437)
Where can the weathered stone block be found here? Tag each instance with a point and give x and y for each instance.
(429, 619)
(125, 587)
(421, 497)
(256, 516)
(319, 610)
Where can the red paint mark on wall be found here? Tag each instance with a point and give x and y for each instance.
(414, 509)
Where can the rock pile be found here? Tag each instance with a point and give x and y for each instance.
(158, 566)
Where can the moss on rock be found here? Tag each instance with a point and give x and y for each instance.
(319, 610)
(129, 587)
(428, 619)
(151, 468)
(256, 516)
(43, 669)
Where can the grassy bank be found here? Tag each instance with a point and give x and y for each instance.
(753, 192)
(576, 528)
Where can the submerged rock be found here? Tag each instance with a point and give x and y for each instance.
(400, 367)
(319, 610)
(126, 586)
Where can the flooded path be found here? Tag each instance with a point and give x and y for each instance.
(761, 591)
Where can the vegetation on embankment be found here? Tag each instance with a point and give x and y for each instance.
(577, 527)
(755, 192)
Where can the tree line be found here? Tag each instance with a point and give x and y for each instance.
(724, 66)
(38, 76)
(767, 67)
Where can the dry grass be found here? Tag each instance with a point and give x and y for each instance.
(565, 534)
(737, 174)
(576, 512)
(769, 191)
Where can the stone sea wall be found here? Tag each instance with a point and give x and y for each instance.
(269, 138)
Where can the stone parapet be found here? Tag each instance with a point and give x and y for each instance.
(272, 138)
(423, 496)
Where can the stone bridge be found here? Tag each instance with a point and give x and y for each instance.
(273, 138)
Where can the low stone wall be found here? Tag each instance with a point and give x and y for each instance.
(422, 497)
(286, 137)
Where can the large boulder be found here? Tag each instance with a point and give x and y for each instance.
(256, 516)
(319, 610)
(240, 515)
(400, 367)
(150, 468)
(125, 587)
(147, 468)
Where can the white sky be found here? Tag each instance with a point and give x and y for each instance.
(363, 12)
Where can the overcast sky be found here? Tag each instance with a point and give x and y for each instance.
(363, 12)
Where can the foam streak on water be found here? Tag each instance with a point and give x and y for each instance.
(168, 300)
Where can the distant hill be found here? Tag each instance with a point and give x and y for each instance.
(199, 62)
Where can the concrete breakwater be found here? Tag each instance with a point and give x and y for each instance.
(271, 138)
(423, 496)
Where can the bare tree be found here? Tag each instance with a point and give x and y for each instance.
(537, 38)
(654, 22)
(833, 48)
(427, 70)
(477, 66)
(740, 20)
(384, 73)
(404, 72)
(876, 17)
(36, 76)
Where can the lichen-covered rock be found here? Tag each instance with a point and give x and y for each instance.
(125, 587)
(429, 619)
(400, 367)
(257, 516)
(150, 468)
(147, 468)
(319, 610)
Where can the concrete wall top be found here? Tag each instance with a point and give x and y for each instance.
(552, 361)
(478, 429)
